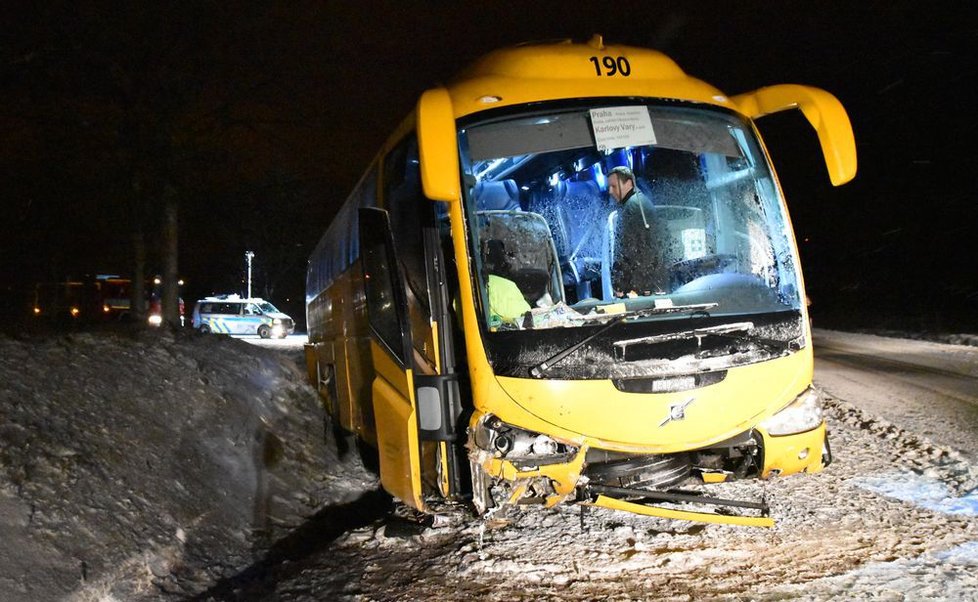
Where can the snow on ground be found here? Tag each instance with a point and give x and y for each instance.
(926, 387)
(155, 466)
(970, 340)
(152, 462)
(837, 537)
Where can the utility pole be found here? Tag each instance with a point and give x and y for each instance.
(248, 256)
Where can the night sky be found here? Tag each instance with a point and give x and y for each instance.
(259, 120)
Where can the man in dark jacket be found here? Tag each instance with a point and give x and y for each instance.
(638, 264)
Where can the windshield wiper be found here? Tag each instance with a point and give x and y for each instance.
(725, 331)
(540, 369)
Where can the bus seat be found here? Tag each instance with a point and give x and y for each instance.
(580, 208)
(534, 283)
(517, 245)
(575, 212)
(503, 195)
(608, 235)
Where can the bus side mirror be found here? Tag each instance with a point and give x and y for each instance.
(438, 146)
(823, 111)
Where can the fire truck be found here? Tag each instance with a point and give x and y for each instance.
(102, 298)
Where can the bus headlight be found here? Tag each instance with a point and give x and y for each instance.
(512, 443)
(155, 320)
(802, 414)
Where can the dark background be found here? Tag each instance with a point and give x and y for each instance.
(259, 118)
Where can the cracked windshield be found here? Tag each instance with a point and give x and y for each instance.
(583, 214)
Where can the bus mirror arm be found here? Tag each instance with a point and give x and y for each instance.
(822, 110)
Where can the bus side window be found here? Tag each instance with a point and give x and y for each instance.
(410, 211)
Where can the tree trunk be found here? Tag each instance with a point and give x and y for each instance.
(137, 294)
(171, 286)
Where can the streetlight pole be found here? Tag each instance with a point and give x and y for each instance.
(248, 257)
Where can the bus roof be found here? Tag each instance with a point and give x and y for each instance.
(565, 70)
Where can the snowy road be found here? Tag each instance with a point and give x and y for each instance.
(928, 388)
(893, 518)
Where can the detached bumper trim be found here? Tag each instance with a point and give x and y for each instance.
(706, 517)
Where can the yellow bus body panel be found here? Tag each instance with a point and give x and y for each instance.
(466, 96)
(344, 344)
(562, 71)
(397, 429)
(790, 454)
(596, 412)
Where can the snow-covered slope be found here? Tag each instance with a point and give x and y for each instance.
(135, 464)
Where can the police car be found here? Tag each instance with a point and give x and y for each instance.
(231, 314)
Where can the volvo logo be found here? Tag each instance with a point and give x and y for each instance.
(677, 411)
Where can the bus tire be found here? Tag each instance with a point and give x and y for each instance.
(264, 331)
(204, 329)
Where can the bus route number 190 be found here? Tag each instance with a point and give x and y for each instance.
(611, 66)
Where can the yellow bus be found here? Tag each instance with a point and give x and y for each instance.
(570, 277)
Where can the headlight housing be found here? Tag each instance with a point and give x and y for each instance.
(513, 443)
(802, 414)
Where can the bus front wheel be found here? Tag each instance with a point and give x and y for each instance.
(264, 331)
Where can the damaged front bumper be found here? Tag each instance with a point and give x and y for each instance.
(515, 466)
(512, 466)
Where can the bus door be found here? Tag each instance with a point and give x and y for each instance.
(409, 408)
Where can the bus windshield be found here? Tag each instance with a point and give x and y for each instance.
(581, 213)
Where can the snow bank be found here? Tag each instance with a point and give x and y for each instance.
(137, 464)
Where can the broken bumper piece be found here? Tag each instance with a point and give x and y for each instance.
(613, 498)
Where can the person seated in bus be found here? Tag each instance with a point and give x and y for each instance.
(506, 301)
(637, 265)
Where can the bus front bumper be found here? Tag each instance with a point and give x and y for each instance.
(498, 483)
(511, 466)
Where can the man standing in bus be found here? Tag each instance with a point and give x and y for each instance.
(638, 266)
